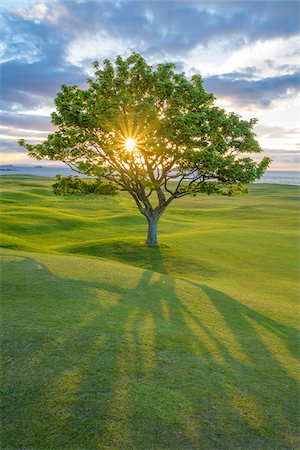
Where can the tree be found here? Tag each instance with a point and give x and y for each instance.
(151, 132)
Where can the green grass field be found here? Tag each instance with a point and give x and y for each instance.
(108, 344)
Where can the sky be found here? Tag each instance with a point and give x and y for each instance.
(247, 52)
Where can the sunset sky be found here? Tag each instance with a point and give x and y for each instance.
(246, 51)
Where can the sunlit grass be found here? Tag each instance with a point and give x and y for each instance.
(110, 344)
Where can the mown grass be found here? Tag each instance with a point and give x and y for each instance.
(110, 344)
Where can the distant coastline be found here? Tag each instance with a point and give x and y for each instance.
(11, 167)
(290, 177)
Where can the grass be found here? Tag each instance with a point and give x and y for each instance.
(110, 344)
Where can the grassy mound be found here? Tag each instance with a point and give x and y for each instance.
(110, 344)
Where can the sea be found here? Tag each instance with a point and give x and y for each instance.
(271, 176)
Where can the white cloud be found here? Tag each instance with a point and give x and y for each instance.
(38, 11)
(206, 59)
(284, 116)
(270, 58)
(42, 111)
(97, 47)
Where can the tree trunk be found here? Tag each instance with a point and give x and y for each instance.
(152, 231)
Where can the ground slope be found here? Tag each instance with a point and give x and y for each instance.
(110, 344)
(105, 355)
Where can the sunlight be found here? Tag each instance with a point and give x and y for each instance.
(130, 144)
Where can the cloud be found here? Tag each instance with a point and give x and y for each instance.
(172, 29)
(25, 121)
(33, 128)
(270, 131)
(49, 44)
(32, 85)
(270, 57)
(8, 146)
(160, 27)
(34, 62)
(246, 50)
(13, 134)
(281, 158)
(247, 93)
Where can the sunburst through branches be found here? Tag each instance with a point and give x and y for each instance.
(130, 144)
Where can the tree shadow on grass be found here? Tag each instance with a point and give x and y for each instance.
(152, 363)
(145, 257)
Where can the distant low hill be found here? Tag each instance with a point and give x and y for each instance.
(8, 167)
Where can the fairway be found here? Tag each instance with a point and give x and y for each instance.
(110, 344)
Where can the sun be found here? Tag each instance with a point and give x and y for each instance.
(130, 144)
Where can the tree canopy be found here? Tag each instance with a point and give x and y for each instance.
(152, 132)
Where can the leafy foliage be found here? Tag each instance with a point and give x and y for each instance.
(184, 144)
(77, 186)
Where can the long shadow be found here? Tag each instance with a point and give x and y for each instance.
(262, 377)
(259, 377)
(144, 257)
(142, 366)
